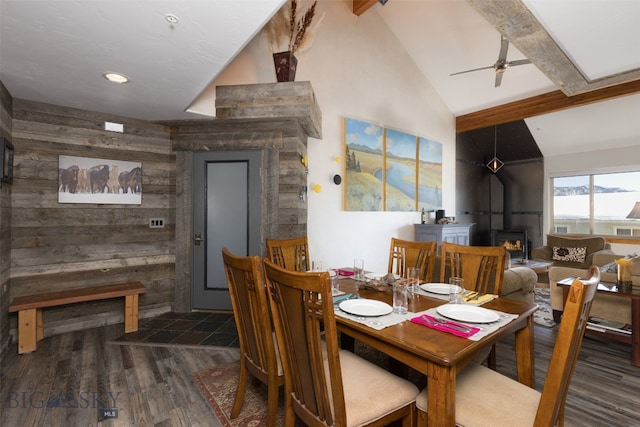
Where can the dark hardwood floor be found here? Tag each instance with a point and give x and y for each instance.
(153, 386)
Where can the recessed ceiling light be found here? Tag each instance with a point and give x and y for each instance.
(171, 18)
(115, 77)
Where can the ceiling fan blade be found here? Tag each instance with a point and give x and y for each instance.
(498, 79)
(504, 47)
(475, 69)
(518, 62)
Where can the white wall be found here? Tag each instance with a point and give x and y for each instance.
(358, 69)
(606, 160)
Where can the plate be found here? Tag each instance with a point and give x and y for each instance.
(437, 288)
(378, 276)
(468, 313)
(365, 307)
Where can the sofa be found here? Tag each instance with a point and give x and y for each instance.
(604, 306)
(573, 252)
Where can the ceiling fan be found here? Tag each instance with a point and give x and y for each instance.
(501, 64)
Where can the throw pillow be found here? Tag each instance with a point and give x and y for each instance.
(569, 254)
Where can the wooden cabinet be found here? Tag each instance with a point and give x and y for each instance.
(454, 233)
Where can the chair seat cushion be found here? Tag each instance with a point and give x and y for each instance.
(371, 392)
(485, 398)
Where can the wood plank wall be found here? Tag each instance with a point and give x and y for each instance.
(61, 246)
(5, 226)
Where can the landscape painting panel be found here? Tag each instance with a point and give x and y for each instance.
(363, 166)
(429, 175)
(89, 180)
(400, 167)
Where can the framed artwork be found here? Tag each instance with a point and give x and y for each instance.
(390, 170)
(401, 173)
(429, 174)
(364, 166)
(89, 180)
(7, 160)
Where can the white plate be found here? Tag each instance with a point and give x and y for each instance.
(468, 313)
(365, 307)
(437, 288)
(378, 276)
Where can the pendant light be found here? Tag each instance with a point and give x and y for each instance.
(495, 164)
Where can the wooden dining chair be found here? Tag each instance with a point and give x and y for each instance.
(486, 398)
(481, 267)
(259, 354)
(292, 254)
(407, 253)
(332, 387)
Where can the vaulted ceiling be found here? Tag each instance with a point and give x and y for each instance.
(56, 51)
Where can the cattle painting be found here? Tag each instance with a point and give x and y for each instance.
(89, 180)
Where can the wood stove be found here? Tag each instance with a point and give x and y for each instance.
(514, 241)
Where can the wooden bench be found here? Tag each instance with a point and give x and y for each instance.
(29, 308)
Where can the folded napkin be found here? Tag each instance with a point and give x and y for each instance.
(484, 328)
(345, 272)
(481, 299)
(451, 327)
(338, 299)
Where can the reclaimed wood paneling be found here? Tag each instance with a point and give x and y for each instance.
(62, 245)
(6, 112)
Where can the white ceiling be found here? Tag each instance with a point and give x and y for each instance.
(56, 51)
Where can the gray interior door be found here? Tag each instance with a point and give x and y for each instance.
(226, 210)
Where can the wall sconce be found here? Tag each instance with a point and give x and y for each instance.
(337, 179)
(317, 188)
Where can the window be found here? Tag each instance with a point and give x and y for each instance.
(596, 204)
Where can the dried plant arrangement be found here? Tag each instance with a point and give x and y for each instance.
(286, 32)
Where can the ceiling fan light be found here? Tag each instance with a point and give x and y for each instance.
(495, 164)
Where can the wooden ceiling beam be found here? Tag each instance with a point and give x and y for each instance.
(538, 105)
(361, 6)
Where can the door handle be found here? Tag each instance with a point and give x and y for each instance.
(197, 239)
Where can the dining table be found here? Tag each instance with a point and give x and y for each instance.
(437, 354)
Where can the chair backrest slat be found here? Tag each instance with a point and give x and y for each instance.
(302, 309)
(292, 254)
(481, 267)
(566, 349)
(405, 253)
(251, 312)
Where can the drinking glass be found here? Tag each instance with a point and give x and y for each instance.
(316, 265)
(401, 296)
(413, 276)
(456, 290)
(358, 269)
(333, 274)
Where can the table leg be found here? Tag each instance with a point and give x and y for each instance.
(441, 396)
(635, 333)
(525, 357)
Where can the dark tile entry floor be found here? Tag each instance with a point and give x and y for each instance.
(197, 328)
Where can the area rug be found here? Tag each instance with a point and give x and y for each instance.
(219, 386)
(544, 315)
